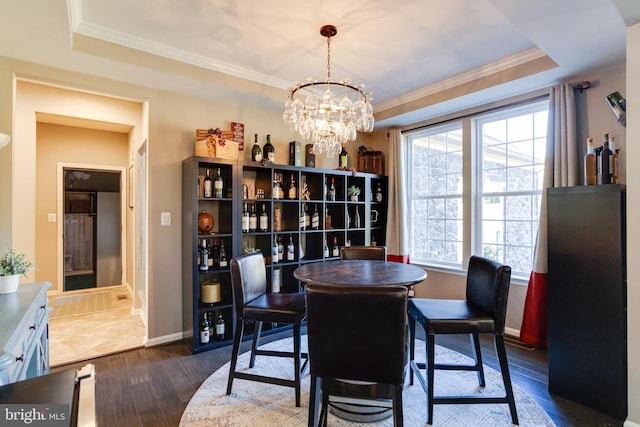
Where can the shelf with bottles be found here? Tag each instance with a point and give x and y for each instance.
(256, 216)
(287, 247)
(216, 331)
(215, 251)
(215, 181)
(336, 188)
(281, 279)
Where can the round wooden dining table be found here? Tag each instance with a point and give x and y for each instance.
(360, 272)
(358, 407)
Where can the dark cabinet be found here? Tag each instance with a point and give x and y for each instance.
(587, 296)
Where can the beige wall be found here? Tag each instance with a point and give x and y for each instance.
(633, 223)
(72, 145)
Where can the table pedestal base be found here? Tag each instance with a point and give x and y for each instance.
(360, 401)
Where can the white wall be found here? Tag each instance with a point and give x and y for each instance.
(633, 224)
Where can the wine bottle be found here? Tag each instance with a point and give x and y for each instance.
(307, 218)
(280, 249)
(291, 254)
(275, 283)
(204, 256)
(218, 186)
(223, 256)
(253, 220)
(274, 251)
(315, 219)
(214, 257)
(256, 151)
(356, 220)
(204, 330)
(326, 249)
(336, 249)
(605, 159)
(332, 191)
(245, 219)
(590, 177)
(301, 221)
(220, 327)
(268, 151)
(343, 160)
(208, 185)
(379, 193)
(264, 219)
(276, 186)
(614, 160)
(293, 192)
(347, 218)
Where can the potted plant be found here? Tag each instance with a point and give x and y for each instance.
(12, 265)
(353, 192)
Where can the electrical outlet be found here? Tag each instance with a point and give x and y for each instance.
(51, 217)
(165, 218)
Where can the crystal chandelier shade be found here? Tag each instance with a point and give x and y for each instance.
(326, 112)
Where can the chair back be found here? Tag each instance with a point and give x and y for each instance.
(248, 280)
(488, 284)
(357, 332)
(364, 252)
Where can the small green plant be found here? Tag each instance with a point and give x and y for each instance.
(14, 263)
(353, 191)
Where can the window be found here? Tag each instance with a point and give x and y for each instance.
(501, 185)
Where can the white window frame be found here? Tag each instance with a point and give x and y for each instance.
(472, 171)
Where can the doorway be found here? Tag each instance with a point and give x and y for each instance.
(93, 227)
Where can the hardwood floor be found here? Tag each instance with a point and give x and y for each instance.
(152, 386)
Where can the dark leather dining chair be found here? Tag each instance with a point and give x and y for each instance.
(364, 252)
(483, 311)
(361, 337)
(252, 302)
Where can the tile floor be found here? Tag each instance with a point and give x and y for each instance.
(83, 337)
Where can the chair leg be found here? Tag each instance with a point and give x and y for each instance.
(398, 417)
(257, 330)
(324, 413)
(314, 400)
(506, 377)
(431, 344)
(234, 354)
(477, 356)
(412, 346)
(296, 360)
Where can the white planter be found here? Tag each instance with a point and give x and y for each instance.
(354, 198)
(9, 284)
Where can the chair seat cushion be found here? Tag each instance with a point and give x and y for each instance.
(443, 316)
(282, 308)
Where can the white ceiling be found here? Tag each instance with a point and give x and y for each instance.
(419, 58)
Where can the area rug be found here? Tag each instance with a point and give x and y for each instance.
(254, 404)
(76, 305)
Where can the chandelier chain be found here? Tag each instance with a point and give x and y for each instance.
(328, 58)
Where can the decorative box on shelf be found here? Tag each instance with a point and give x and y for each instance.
(371, 161)
(216, 143)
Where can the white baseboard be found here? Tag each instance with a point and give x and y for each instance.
(512, 332)
(628, 423)
(164, 339)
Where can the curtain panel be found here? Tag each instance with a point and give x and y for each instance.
(397, 196)
(560, 170)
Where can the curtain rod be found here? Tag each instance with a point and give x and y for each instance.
(578, 86)
(475, 113)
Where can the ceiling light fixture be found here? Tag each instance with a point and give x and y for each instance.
(329, 118)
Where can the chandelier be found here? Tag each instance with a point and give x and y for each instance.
(327, 112)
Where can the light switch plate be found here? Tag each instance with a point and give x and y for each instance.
(165, 218)
(51, 217)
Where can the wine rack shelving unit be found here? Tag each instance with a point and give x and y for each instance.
(253, 184)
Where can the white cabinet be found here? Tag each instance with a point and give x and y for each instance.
(24, 333)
